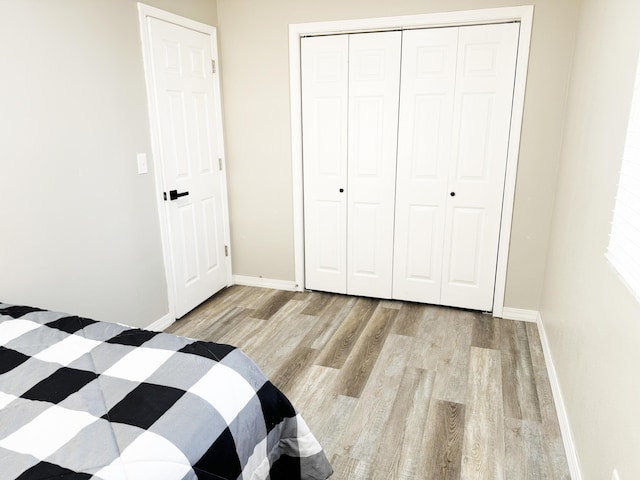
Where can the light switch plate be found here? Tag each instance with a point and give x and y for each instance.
(142, 164)
(615, 475)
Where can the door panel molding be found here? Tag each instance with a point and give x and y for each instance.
(521, 14)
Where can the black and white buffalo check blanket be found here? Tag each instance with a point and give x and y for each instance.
(86, 399)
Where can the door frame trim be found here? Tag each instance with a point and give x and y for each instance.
(522, 14)
(145, 12)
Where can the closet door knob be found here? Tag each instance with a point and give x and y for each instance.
(341, 190)
(453, 194)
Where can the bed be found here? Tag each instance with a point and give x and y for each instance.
(81, 398)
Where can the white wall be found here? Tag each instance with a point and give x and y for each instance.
(79, 228)
(255, 75)
(592, 321)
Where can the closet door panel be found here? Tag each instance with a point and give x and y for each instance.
(480, 138)
(374, 82)
(467, 224)
(426, 108)
(324, 120)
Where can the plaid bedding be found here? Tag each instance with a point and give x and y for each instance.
(86, 399)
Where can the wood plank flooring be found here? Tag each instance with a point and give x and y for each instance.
(396, 390)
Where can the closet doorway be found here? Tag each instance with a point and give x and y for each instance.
(405, 166)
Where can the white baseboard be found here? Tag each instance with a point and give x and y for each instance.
(521, 314)
(266, 283)
(162, 323)
(563, 419)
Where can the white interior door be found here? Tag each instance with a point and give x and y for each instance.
(480, 140)
(190, 146)
(424, 139)
(374, 83)
(324, 119)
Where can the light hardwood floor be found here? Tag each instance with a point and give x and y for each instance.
(396, 390)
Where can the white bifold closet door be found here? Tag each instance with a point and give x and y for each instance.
(325, 87)
(455, 116)
(404, 161)
(374, 83)
(350, 87)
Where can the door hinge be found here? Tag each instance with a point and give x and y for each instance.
(220, 163)
(226, 251)
(213, 66)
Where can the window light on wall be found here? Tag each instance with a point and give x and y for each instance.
(624, 241)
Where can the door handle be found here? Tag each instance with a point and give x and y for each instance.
(173, 194)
